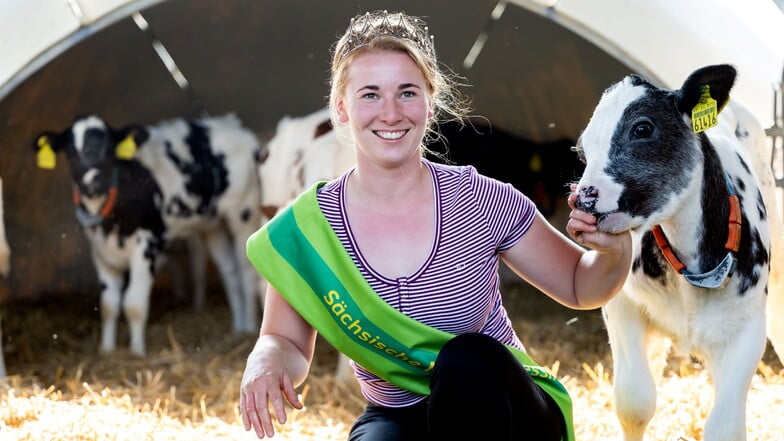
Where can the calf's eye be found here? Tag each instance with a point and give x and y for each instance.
(642, 130)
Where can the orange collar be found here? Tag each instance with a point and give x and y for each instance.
(88, 219)
(733, 237)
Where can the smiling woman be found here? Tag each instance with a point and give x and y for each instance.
(412, 249)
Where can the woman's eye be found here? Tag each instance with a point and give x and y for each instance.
(369, 96)
(642, 130)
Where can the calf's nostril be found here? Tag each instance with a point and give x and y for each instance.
(589, 192)
(586, 199)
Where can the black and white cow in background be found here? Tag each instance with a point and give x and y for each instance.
(139, 187)
(700, 272)
(303, 151)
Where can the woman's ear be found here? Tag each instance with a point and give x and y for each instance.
(341, 111)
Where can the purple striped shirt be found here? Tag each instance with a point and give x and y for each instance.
(457, 288)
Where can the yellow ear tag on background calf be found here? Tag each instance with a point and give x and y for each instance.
(705, 114)
(45, 157)
(126, 149)
(535, 164)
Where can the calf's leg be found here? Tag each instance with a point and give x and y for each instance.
(634, 387)
(111, 296)
(221, 250)
(732, 367)
(136, 303)
(253, 289)
(197, 260)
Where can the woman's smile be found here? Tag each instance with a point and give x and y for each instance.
(390, 135)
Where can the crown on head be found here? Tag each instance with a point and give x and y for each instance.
(367, 27)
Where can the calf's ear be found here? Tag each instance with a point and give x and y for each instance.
(130, 138)
(46, 146)
(719, 79)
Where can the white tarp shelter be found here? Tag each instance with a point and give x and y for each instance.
(664, 39)
(668, 39)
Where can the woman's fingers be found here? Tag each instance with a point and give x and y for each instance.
(264, 417)
(256, 399)
(291, 393)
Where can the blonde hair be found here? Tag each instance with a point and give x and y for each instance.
(396, 32)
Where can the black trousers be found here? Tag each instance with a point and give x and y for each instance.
(479, 391)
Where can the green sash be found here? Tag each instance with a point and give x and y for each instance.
(299, 254)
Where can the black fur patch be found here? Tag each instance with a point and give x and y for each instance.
(206, 176)
(650, 260)
(652, 169)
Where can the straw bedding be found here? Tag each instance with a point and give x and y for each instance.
(187, 386)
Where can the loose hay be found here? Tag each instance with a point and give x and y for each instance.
(187, 387)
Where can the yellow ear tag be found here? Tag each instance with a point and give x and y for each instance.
(705, 114)
(126, 149)
(535, 164)
(45, 157)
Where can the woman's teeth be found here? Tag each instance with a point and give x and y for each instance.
(390, 135)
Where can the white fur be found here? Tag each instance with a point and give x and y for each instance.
(224, 234)
(725, 330)
(295, 159)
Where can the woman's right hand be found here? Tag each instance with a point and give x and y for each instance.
(278, 363)
(266, 383)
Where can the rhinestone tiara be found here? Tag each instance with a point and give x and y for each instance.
(365, 28)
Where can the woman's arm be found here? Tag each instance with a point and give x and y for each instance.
(571, 275)
(278, 363)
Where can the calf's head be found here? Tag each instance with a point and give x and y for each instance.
(93, 149)
(282, 170)
(640, 149)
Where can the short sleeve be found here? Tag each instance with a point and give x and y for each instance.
(507, 211)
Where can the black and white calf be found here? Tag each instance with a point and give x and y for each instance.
(700, 208)
(138, 188)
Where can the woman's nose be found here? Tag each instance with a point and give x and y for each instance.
(391, 111)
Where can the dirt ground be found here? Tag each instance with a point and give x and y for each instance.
(59, 388)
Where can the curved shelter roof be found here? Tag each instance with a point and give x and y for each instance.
(539, 73)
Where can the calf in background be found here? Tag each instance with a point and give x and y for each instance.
(303, 151)
(700, 207)
(138, 188)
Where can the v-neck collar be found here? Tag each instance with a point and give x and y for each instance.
(434, 240)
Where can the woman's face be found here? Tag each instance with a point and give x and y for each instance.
(387, 106)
